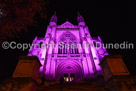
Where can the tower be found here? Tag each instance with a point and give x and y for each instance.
(80, 19)
(68, 51)
(53, 20)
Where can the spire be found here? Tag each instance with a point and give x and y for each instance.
(54, 13)
(54, 18)
(79, 13)
(80, 18)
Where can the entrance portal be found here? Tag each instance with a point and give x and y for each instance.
(70, 70)
(69, 77)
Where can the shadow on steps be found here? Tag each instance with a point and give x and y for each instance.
(81, 86)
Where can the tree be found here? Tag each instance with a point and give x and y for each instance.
(17, 15)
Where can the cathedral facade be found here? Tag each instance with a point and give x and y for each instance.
(68, 51)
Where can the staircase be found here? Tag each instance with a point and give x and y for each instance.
(82, 86)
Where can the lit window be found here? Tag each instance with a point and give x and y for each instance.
(66, 79)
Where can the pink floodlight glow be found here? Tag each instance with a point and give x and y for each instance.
(76, 63)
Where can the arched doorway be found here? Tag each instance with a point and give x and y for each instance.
(70, 70)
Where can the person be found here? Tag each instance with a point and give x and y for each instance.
(61, 83)
(43, 80)
(61, 79)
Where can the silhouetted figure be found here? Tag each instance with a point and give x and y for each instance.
(43, 80)
(61, 83)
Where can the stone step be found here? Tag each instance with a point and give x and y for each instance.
(74, 87)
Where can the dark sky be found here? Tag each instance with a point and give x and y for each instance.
(109, 20)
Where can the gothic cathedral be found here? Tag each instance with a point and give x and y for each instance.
(62, 52)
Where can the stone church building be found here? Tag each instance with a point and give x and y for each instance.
(68, 56)
(69, 52)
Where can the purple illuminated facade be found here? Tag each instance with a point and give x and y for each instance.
(74, 64)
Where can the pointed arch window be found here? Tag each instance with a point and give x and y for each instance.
(70, 40)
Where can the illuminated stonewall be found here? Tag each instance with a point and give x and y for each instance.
(71, 63)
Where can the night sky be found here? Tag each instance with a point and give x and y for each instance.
(109, 20)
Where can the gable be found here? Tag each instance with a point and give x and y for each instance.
(67, 24)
